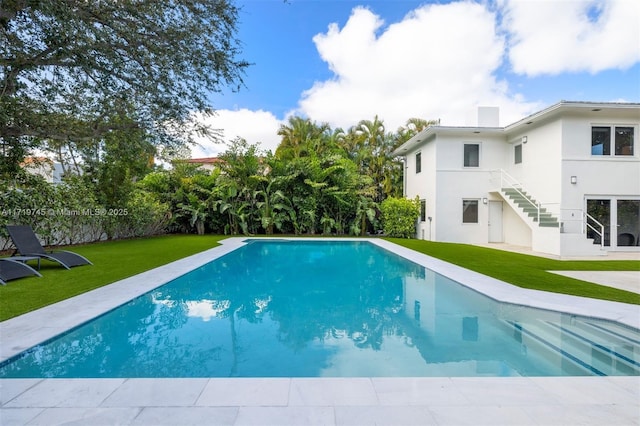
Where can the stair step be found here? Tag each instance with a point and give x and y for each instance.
(543, 216)
(595, 349)
(528, 205)
(615, 353)
(600, 330)
(549, 224)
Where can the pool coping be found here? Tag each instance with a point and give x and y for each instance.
(234, 401)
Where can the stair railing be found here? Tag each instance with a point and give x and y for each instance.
(586, 218)
(508, 181)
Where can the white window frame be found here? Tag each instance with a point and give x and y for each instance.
(612, 140)
(515, 154)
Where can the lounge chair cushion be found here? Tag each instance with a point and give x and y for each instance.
(12, 269)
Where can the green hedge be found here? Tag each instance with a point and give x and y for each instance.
(399, 217)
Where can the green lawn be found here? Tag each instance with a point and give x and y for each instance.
(115, 260)
(529, 271)
(112, 261)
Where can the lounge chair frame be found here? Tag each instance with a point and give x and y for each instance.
(28, 244)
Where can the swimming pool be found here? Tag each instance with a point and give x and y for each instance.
(311, 309)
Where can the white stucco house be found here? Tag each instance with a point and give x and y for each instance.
(563, 181)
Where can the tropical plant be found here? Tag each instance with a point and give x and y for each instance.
(412, 127)
(366, 210)
(300, 138)
(274, 207)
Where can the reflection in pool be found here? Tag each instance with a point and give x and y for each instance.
(318, 308)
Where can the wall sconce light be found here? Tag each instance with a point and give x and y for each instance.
(524, 139)
(485, 201)
(574, 180)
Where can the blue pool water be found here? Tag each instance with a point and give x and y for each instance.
(312, 309)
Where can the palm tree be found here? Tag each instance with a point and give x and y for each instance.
(371, 147)
(300, 137)
(412, 127)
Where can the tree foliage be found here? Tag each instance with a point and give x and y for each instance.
(70, 70)
(319, 181)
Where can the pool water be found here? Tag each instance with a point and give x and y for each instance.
(327, 309)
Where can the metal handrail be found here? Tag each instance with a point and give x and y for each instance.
(511, 182)
(588, 217)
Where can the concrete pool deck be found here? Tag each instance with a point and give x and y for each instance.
(298, 401)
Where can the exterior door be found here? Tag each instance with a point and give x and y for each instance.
(628, 223)
(495, 222)
(620, 218)
(600, 210)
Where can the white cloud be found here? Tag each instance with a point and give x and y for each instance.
(254, 126)
(443, 60)
(438, 62)
(551, 37)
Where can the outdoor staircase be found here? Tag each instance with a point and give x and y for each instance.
(549, 230)
(527, 204)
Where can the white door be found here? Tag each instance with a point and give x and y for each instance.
(495, 222)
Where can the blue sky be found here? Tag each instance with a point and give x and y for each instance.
(340, 61)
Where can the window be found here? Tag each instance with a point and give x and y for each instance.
(517, 154)
(622, 141)
(423, 210)
(600, 140)
(471, 155)
(418, 162)
(469, 211)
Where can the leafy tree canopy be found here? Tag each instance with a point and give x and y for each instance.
(70, 70)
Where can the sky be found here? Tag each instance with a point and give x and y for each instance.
(342, 61)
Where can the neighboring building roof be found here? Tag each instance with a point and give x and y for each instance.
(29, 161)
(49, 169)
(562, 107)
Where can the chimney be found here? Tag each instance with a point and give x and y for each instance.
(488, 116)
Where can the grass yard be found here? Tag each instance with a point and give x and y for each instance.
(112, 261)
(115, 260)
(529, 271)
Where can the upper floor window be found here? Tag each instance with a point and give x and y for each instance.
(517, 154)
(620, 144)
(418, 162)
(471, 155)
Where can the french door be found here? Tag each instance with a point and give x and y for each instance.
(620, 217)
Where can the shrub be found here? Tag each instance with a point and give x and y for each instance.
(399, 216)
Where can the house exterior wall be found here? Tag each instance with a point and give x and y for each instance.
(596, 175)
(540, 170)
(454, 187)
(515, 230)
(558, 146)
(423, 185)
(457, 183)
